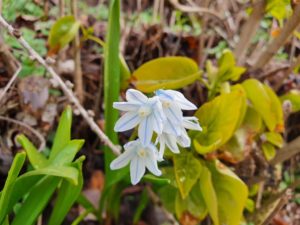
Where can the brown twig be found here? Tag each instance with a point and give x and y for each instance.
(10, 83)
(156, 200)
(77, 58)
(15, 33)
(287, 152)
(273, 47)
(249, 30)
(22, 124)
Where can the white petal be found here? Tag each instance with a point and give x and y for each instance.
(162, 147)
(171, 127)
(126, 106)
(174, 114)
(171, 142)
(135, 96)
(137, 169)
(181, 100)
(128, 121)
(122, 160)
(184, 139)
(151, 163)
(157, 124)
(164, 95)
(145, 130)
(191, 123)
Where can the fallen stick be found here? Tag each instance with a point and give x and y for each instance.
(69, 93)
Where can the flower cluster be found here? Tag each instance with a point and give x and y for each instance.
(161, 114)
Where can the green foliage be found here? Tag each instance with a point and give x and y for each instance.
(266, 103)
(226, 71)
(219, 119)
(279, 9)
(186, 176)
(63, 32)
(36, 187)
(166, 73)
(294, 97)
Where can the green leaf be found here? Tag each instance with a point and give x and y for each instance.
(37, 159)
(269, 151)
(67, 154)
(252, 120)
(156, 180)
(231, 192)
(167, 73)
(250, 205)
(7, 190)
(209, 194)
(187, 170)
(266, 103)
(194, 204)
(63, 133)
(274, 138)
(67, 195)
(144, 199)
(36, 201)
(219, 119)
(67, 172)
(294, 97)
(166, 195)
(63, 32)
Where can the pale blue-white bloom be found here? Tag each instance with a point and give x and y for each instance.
(183, 140)
(140, 158)
(173, 102)
(143, 111)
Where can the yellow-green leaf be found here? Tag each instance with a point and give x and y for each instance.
(274, 138)
(294, 97)
(62, 32)
(194, 204)
(219, 119)
(167, 73)
(231, 193)
(187, 170)
(269, 151)
(266, 103)
(209, 195)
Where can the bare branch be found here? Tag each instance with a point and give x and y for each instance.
(10, 83)
(274, 46)
(249, 30)
(67, 91)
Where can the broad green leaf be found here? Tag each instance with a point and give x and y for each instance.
(231, 193)
(63, 133)
(167, 73)
(166, 195)
(269, 151)
(67, 195)
(36, 201)
(194, 204)
(266, 103)
(156, 180)
(63, 32)
(252, 120)
(67, 154)
(274, 138)
(209, 195)
(187, 170)
(37, 159)
(219, 119)
(112, 73)
(294, 97)
(22, 186)
(67, 172)
(7, 190)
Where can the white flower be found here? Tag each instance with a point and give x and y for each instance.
(172, 141)
(173, 102)
(140, 158)
(143, 111)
